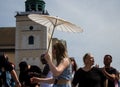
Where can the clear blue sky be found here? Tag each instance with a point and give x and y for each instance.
(100, 20)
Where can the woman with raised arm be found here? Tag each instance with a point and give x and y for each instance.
(62, 71)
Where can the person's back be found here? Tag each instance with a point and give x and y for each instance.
(9, 80)
(34, 71)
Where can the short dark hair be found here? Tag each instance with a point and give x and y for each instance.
(108, 56)
(23, 65)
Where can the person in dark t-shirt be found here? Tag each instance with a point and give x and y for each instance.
(88, 76)
(112, 74)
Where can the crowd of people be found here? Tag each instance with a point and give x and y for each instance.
(64, 72)
(92, 76)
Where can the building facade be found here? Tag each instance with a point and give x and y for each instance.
(28, 40)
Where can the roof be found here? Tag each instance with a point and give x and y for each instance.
(7, 36)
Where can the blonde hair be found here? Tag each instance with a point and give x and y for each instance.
(61, 52)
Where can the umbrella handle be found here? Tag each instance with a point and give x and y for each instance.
(51, 38)
(54, 25)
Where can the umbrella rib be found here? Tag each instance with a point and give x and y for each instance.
(72, 27)
(43, 22)
(61, 28)
(50, 26)
(51, 22)
(38, 20)
(46, 22)
(67, 27)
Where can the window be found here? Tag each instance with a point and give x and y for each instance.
(31, 27)
(39, 8)
(33, 8)
(31, 40)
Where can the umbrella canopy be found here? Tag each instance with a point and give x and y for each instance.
(53, 23)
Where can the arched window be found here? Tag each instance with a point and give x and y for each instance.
(31, 40)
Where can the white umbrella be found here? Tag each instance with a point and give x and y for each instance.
(54, 23)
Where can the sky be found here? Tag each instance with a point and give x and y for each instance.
(99, 19)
